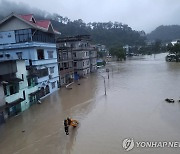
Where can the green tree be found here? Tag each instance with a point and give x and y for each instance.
(175, 49)
(118, 52)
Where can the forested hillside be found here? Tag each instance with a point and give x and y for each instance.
(165, 33)
(107, 33)
(110, 34)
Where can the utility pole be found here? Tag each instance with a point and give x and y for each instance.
(107, 70)
(104, 84)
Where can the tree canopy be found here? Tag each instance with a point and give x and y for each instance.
(118, 52)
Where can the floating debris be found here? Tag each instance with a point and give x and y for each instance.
(169, 100)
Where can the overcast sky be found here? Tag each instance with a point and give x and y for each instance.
(139, 14)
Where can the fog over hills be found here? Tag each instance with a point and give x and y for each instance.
(108, 33)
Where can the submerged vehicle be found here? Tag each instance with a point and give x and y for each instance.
(171, 58)
(169, 100)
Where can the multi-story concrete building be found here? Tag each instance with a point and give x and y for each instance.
(93, 59)
(23, 37)
(2, 104)
(84, 54)
(65, 61)
(18, 92)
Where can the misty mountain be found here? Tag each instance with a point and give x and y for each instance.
(165, 33)
(107, 33)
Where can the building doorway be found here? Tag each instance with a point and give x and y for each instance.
(47, 89)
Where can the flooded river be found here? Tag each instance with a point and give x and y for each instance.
(134, 107)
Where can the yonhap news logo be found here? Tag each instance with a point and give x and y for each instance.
(129, 143)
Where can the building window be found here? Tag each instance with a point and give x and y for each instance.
(7, 55)
(87, 62)
(47, 91)
(66, 65)
(29, 82)
(1, 56)
(64, 56)
(74, 54)
(24, 94)
(19, 55)
(53, 85)
(69, 55)
(83, 63)
(51, 70)
(40, 36)
(70, 64)
(9, 35)
(43, 72)
(75, 64)
(40, 54)
(72, 45)
(13, 89)
(50, 54)
(5, 89)
(22, 76)
(23, 35)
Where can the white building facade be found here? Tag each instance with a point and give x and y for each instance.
(22, 37)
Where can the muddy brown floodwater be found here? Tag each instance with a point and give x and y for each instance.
(133, 108)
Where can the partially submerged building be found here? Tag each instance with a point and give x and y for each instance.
(24, 37)
(17, 92)
(65, 61)
(84, 54)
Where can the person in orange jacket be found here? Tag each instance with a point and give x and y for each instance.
(72, 122)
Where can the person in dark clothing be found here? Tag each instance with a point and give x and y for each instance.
(66, 127)
(69, 121)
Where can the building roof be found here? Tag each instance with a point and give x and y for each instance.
(74, 38)
(43, 25)
(28, 17)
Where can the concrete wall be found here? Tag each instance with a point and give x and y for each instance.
(81, 55)
(93, 54)
(83, 64)
(14, 24)
(7, 37)
(2, 101)
(23, 86)
(27, 53)
(93, 61)
(83, 72)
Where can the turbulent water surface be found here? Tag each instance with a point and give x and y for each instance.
(133, 108)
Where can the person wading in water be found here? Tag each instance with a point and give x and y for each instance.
(66, 126)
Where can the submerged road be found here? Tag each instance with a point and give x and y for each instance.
(133, 108)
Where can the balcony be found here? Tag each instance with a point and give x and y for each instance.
(83, 48)
(64, 59)
(93, 56)
(44, 61)
(32, 71)
(14, 97)
(42, 79)
(66, 71)
(32, 89)
(4, 68)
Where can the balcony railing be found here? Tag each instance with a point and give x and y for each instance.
(32, 71)
(14, 97)
(65, 59)
(83, 48)
(65, 71)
